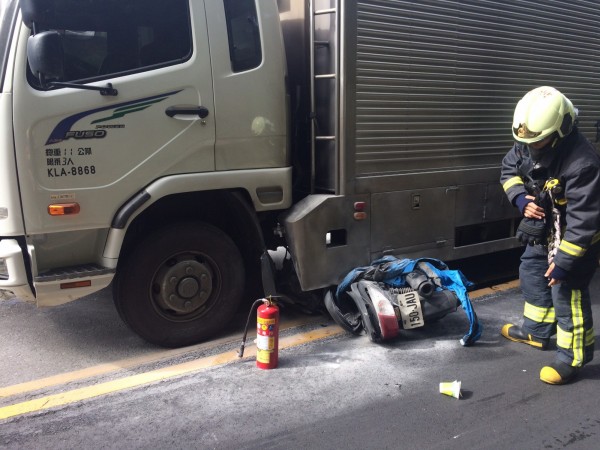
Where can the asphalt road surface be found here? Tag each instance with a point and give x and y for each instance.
(331, 390)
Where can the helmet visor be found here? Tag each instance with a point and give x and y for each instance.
(523, 132)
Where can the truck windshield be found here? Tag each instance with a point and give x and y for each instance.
(7, 15)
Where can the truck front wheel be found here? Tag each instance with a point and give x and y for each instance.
(180, 285)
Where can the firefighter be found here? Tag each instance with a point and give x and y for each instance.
(552, 175)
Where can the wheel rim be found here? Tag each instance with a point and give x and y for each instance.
(185, 287)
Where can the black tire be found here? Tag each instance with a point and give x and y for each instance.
(349, 317)
(180, 285)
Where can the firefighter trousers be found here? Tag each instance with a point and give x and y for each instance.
(564, 309)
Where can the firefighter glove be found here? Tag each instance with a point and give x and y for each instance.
(531, 231)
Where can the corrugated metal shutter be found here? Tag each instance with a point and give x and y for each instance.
(437, 81)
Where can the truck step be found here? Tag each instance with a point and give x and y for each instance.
(68, 273)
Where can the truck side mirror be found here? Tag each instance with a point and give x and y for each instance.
(45, 55)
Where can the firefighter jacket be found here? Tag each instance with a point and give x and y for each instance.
(575, 163)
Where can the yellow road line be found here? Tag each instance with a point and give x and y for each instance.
(166, 372)
(76, 395)
(494, 289)
(103, 369)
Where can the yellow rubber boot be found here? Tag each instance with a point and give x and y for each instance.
(516, 334)
(558, 373)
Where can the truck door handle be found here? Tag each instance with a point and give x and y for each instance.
(199, 111)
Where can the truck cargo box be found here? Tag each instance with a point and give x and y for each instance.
(412, 107)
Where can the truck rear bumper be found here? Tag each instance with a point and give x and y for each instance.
(13, 275)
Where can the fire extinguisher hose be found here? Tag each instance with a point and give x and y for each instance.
(254, 306)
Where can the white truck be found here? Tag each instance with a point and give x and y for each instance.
(166, 146)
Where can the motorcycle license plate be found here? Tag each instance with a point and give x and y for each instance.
(410, 310)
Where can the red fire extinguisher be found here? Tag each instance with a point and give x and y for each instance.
(267, 334)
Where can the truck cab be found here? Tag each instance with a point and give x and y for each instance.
(132, 133)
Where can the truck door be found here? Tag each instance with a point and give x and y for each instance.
(96, 150)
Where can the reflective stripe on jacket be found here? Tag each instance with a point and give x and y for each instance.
(576, 164)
